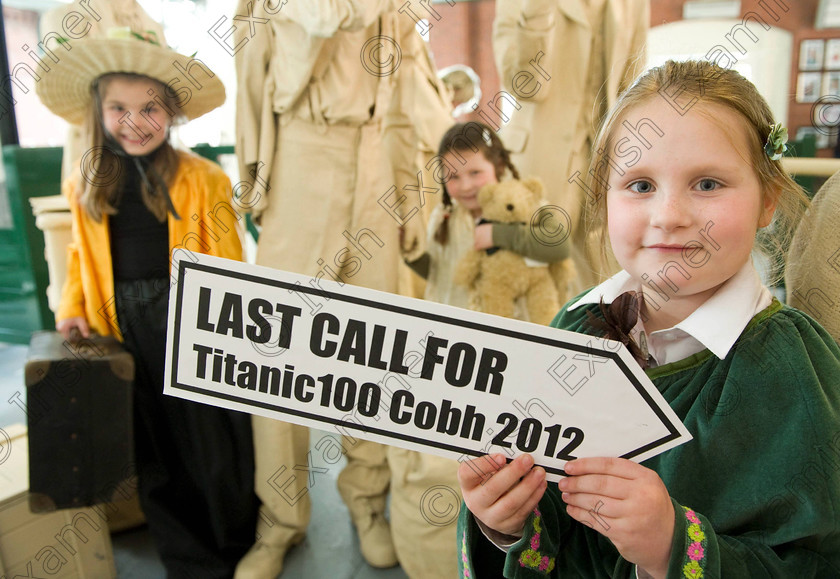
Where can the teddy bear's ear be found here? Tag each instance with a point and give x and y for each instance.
(486, 193)
(536, 187)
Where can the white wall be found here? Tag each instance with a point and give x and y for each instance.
(764, 58)
(187, 26)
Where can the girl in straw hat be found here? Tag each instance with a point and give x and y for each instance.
(98, 19)
(134, 200)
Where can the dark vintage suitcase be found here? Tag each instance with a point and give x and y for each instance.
(79, 408)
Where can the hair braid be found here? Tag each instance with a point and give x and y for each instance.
(509, 163)
(442, 232)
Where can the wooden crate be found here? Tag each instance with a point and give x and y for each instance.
(68, 543)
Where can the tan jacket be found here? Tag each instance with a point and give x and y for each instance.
(420, 97)
(812, 277)
(200, 188)
(419, 115)
(558, 34)
(294, 66)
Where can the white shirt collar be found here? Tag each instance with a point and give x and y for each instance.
(718, 322)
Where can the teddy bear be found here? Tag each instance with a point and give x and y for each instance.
(497, 278)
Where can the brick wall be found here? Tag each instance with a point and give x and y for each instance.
(463, 35)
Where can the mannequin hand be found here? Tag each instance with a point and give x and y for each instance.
(625, 502)
(495, 494)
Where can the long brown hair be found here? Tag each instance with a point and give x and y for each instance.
(478, 138)
(101, 179)
(709, 84)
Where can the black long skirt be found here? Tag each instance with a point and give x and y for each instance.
(195, 462)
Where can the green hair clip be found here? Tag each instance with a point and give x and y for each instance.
(148, 36)
(776, 142)
(126, 33)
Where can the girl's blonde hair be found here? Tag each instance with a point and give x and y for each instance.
(101, 180)
(479, 138)
(684, 85)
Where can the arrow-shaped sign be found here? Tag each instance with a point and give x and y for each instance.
(405, 372)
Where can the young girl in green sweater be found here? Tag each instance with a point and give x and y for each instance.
(689, 178)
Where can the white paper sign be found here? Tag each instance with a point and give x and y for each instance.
(406, 372)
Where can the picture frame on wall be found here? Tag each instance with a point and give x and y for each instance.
(828, 14)
(808, 87)
(831, 83)
(832, 54)
(811, 54)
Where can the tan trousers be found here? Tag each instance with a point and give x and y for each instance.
(425, 500)
(323, 220)
(284, 491)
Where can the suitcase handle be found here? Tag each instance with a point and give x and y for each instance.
(76, 335)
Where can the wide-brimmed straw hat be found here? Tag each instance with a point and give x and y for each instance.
(65, 89)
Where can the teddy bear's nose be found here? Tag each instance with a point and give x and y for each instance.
(509, 207)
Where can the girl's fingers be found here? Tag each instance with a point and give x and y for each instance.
(509, 512)
(537, 493)
(475, 472)
(596, 506)
(84, 328)
(620, 467)
(503, 493)
(505, 477)
(483, 237)
(73, 328)
(591, 518)
(596, 484)
(521, 491)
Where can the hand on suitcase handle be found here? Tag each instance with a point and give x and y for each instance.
(73, 329)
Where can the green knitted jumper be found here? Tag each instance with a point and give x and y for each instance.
(757, 491)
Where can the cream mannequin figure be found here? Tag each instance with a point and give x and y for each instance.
(565, 62)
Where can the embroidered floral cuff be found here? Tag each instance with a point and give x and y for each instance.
(533, 557)
(465, 568)
(694, 560)
(690, 553)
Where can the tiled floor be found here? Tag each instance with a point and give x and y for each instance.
(330, 549)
